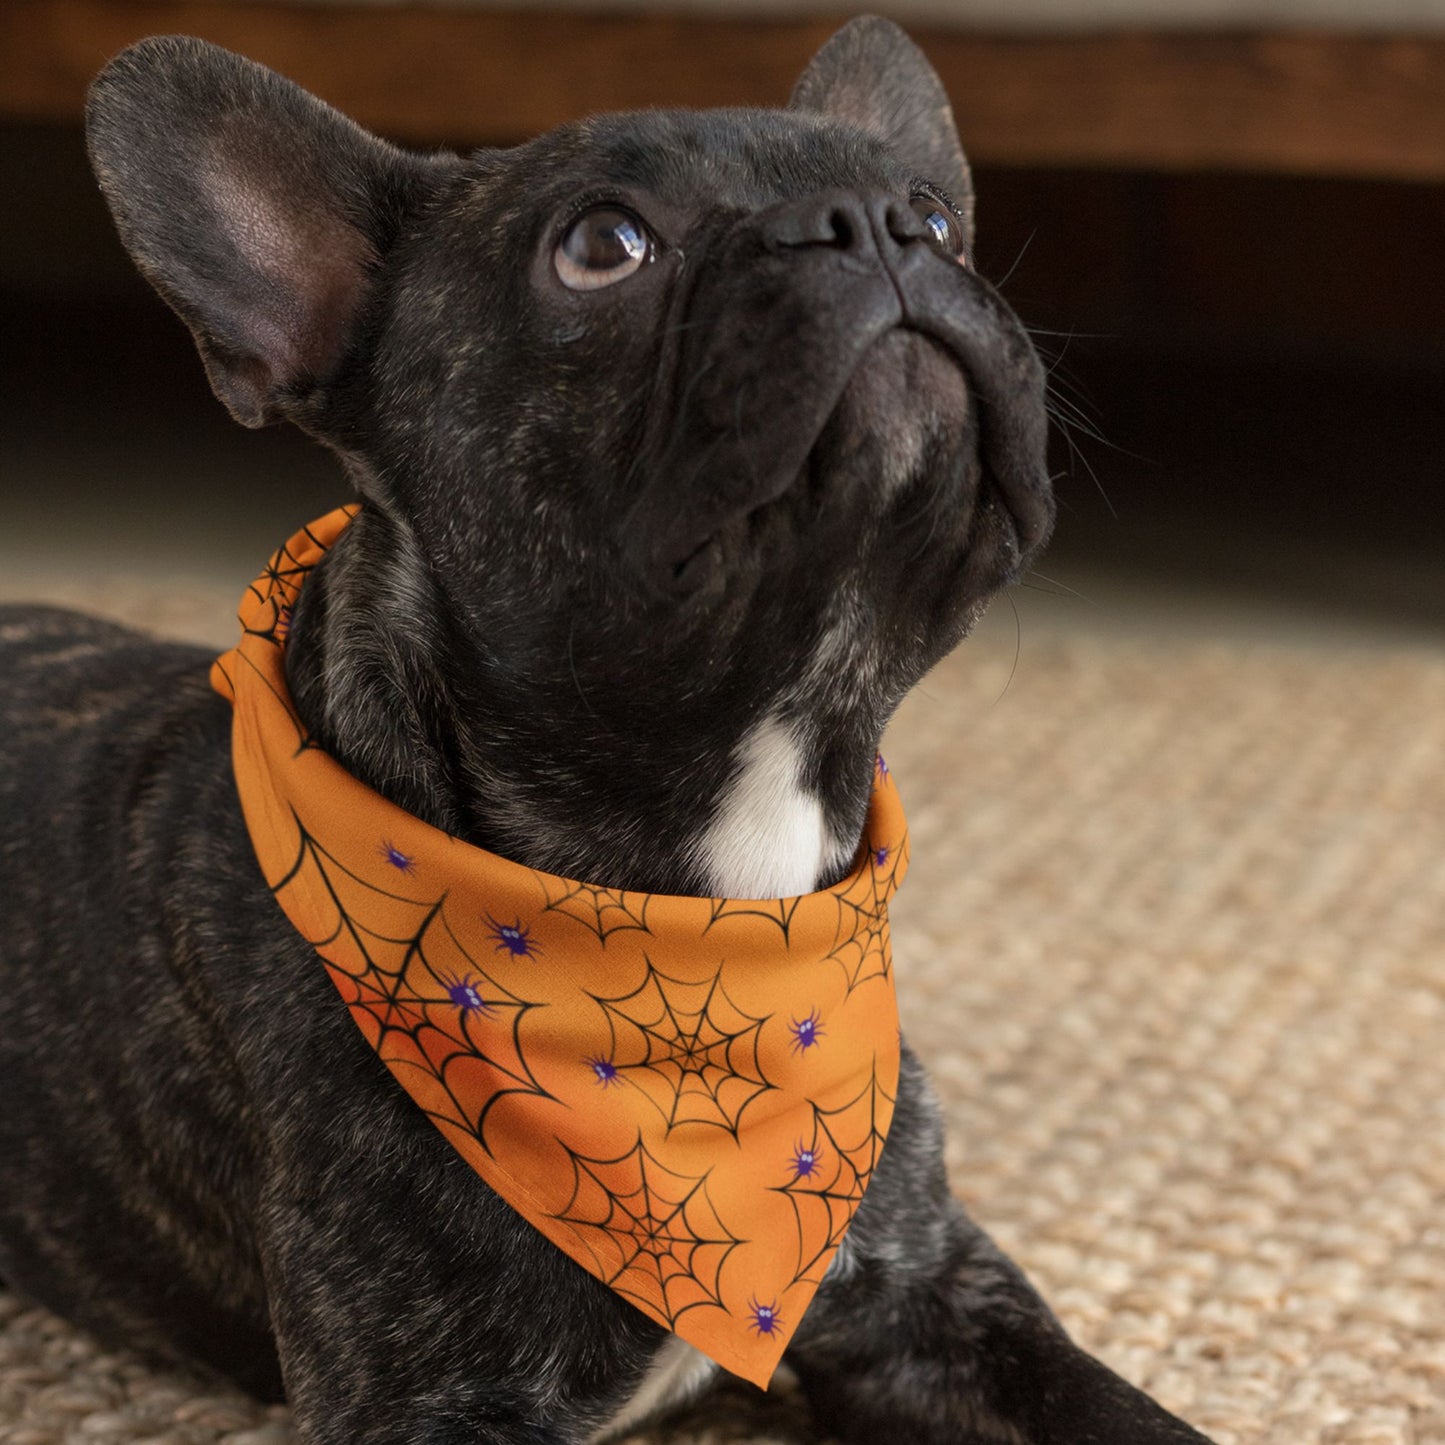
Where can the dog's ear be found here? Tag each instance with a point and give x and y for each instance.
(257, 211)
(873, 76)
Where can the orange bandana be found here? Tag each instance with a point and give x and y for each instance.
(687, 1096)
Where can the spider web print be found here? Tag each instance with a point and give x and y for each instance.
(687, 1048)
(422, 1000)
(776, 910)
(863, 950)
(653, 1232)
(275, 589)
(602, 911)
(841, 1156)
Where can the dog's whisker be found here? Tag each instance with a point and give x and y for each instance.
(1056, 588)
(1018, 651)
(1023, 251)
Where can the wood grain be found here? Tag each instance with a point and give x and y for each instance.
(1310, 103)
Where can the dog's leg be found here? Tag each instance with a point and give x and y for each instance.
(344, 1390)
(924, 1332)
(408, 1307)
(347, 1383)
(972, 1357)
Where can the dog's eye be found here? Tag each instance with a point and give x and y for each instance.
(602, 246)
(945, 234)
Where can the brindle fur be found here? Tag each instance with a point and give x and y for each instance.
(776, 474)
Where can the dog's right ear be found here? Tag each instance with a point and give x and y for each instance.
(872, 75)
(258, 212)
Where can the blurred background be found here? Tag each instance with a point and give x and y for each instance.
(1226, 218)
(1173, 940)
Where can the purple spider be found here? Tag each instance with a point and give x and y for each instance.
(464, 993)
(806, 1031)
(882, 766)
(765, 1319)
(806, 1160)
(513, 939)
(282, 627)
(402, 862)
(605, 1070)
(880, 856)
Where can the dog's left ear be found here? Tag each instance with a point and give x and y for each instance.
(259, 213)
(873, 76)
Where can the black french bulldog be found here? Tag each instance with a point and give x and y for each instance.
(687, 443)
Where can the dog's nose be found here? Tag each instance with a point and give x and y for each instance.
(863, 223)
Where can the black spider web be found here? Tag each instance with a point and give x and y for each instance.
(304, 739)
(687, 1048)
(282, 579)
(844, 1147)
(434, 1007)
(778, 911)
(653, 1232)
(602, 911)
(862, 948)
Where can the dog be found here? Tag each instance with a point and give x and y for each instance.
(686, 443)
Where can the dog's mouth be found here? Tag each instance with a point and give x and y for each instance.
(686, 574)
(931, 381)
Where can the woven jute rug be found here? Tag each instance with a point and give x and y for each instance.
(1174, 947)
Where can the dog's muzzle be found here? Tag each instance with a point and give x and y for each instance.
(803, 291)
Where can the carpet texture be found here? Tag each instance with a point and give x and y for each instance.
(1173, 945)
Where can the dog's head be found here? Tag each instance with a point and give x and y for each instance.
(669, 423)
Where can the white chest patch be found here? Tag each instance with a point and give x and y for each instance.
(767, 838)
